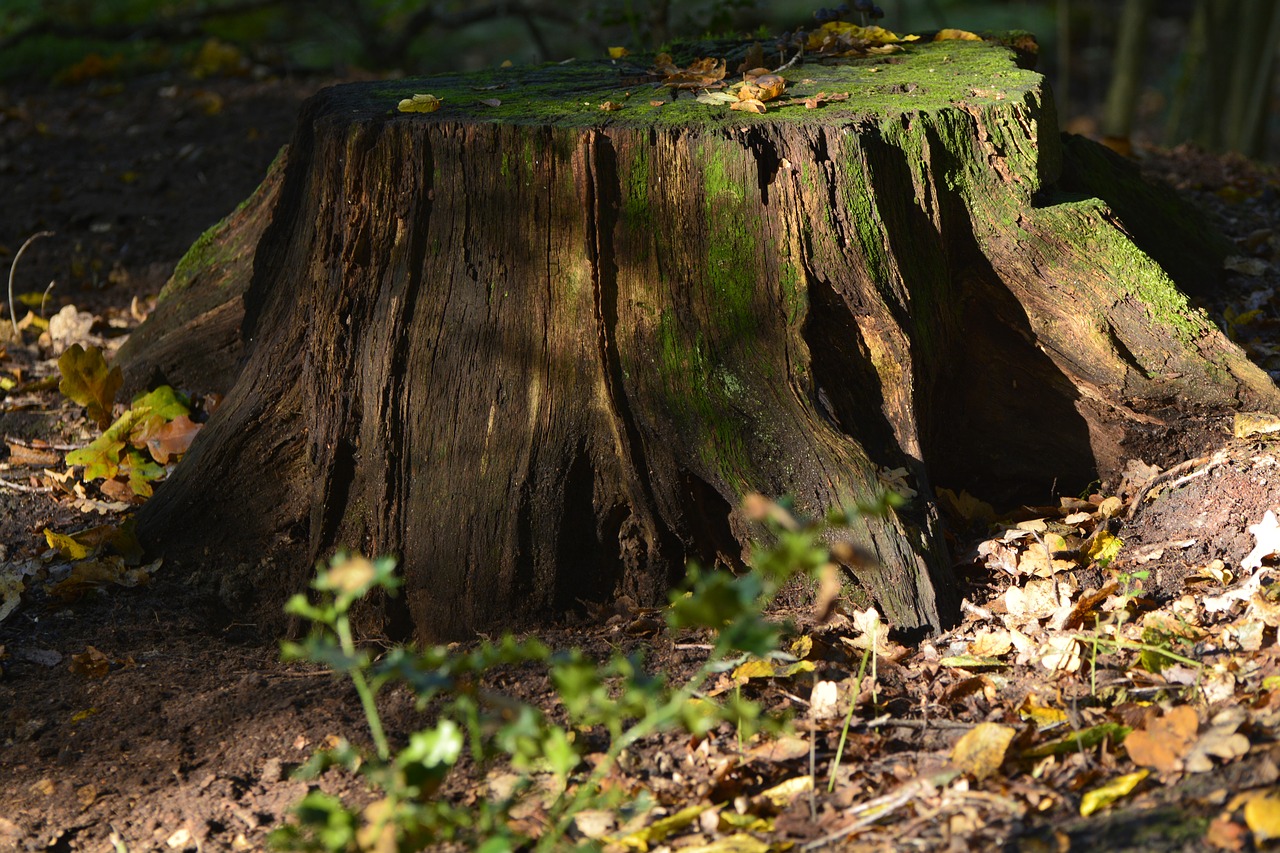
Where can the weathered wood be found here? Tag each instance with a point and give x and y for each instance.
(540, 351)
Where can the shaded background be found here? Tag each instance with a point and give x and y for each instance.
(1158, 73)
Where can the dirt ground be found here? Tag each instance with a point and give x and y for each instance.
(186, 738)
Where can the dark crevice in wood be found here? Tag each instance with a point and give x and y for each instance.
(1005, 426)
(603, 197)
(588, 560)
(767, 161)
(707, 513)
(845, 385)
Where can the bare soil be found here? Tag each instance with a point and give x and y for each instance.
(186, 742)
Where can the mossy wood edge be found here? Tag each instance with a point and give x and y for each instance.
(539, 351)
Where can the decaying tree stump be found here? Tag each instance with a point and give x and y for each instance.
(539, 350)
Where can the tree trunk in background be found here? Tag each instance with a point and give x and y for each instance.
(1228, 72)
(540, 351)
(1126, 75)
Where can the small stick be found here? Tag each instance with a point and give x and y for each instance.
(13, 315)
(21, 487)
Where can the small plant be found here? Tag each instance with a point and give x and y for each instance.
(617, 700)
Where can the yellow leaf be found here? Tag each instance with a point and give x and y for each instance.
(87, 381)
(1262, 814)
(419, 104)
(781, 795)
(755, 668)
(739, 842)
(956, 35)
(1102, 797)
(981, 750)
(65, 545)
(1042, 715)
(660, 829)
(1104, 548)
(618, 52)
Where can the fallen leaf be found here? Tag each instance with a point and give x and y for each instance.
(1221, 740)
(1165, 740)
(1104, 548)
(1267, 534)
(751, 105)
(91, 663)
(1042, 716)
(66, 546)
(1262, 816)
(1104, 796)
(172, 439)
(1061, 654)
(991, 643)
(420, 104)
(699, 75)
(781, 795)
(951, 34)
(785, 748)
(88, 381)
(873, 633)
(981, 750)
(12, 585)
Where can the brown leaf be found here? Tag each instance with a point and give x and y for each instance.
(702, 73)
(91, 663)
(172, 439)
(1165, 741)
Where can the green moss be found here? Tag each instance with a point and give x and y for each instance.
(704, 398)
(636, 190)
(923, 78)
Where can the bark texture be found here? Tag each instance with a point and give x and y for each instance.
(540, 352)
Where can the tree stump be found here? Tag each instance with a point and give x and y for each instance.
(539, 350)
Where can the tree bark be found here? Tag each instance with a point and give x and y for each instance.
(539, 351)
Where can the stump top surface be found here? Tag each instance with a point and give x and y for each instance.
(923, 77)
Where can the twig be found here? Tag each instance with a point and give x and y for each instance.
(873, 810)
(13, 315)
(22, 487)
(31, 445)
(790, 62)
(890, 723)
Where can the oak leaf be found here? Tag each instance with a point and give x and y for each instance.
(87, 381)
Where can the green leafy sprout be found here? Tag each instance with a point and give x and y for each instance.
(617, 699)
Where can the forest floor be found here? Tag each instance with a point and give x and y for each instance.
(140, 715)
